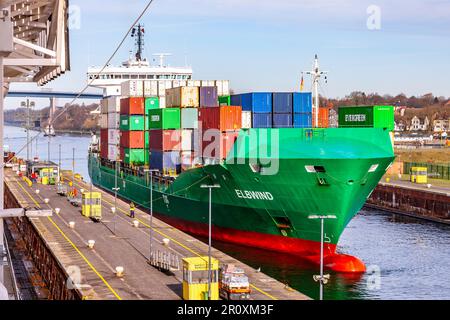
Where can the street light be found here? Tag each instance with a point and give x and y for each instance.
(210, 187)
(151, 212)
(323, 279)
(115, 189)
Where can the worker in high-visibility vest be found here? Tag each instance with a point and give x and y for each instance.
(132, 208)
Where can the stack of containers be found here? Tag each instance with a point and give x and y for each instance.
(225, 123)
(302, 107)
(282, 116)
(103, 123)
(165, 136)
(113, 127)
(133, 134)
(255, 105)
(324, 114)
(189, 138)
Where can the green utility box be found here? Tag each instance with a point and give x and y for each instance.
(367, 117)
(167, 118)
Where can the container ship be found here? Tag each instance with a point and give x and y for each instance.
(272, 167)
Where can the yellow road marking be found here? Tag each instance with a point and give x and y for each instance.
(74, 246)
(182, 245)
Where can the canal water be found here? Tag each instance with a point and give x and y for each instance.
(406, 258)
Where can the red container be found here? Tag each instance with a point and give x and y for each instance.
(165, 140)
(130, 106)
(122, 153)
(223, 118)
(220, 144)
(132, 139)
(104, 143)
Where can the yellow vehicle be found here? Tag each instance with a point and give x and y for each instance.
(91, 205)
(195, 278)
(419, 175)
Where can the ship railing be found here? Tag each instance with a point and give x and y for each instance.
(165, 260)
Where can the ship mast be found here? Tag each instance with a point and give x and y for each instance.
(315, 74)
(138, 33)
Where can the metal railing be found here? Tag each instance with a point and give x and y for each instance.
(435, 171)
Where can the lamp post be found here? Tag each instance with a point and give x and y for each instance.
(151, 213)
(210, 187)
(323, 279)
(115, 189)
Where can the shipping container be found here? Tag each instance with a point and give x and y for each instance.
(218, 145)
(132, 106)
(113, 104)
(302, 102)
(223, 87)
(165, 140)
(323, 117)
(207, 83)
(151, 103)
(257, 102)
(194, 83)
(165, 160)
(189, 160)
(184, 97)
(282, 102)
(103, 120)
(113, 136)
(132, 139)
(132, 88)
(303, 120)
(134, 156)
(162, 102)
(367, 116)
(189, 140)
(103, 137)
(133, 123)
(168, 118)
(104, 105)
(225, 101)
(151, 88)
(113, 152)
(222, 118)
(261, 120)
(282, 120)
(104, 151)
(246, 119)
(208, 97)
(114, 120)
(189, 118)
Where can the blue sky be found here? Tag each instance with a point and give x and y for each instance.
(264, 45)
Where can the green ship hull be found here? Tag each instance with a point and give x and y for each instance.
(270, 183)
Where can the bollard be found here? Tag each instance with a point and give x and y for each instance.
(428, 185)
(72, 224)
(136, 223)
(166, 241)
(91, 244)
(113, 209)
(37, 191)
(81, 190)
(57, 210)
(119, 271)
(46, 200)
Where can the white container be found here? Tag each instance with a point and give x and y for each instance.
(151, 88)
(183, 97)
(113, 152)
(162, 102)
(104, 105)
(175, 84)
(113, 120)
(187, 143)
(225, 87)
(103, 121)
(193, 83)
(113, 136)
(183, 83)
(132, 88)
(208, 83)
(246, 119)
(161, 88)
(113, 104)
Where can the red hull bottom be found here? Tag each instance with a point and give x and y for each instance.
(310, 250)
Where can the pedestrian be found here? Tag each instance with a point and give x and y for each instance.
(132, 208)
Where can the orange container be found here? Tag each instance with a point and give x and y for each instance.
(131, 106)
(224, 118)
(132, 139)
(219, 146)
(323, 117)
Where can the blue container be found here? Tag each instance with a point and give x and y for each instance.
(208, 97)
(282, 120)
(282, 102)
(303, 120)
(165, 160)
(302, 102)
(262, 120)
(258, 102)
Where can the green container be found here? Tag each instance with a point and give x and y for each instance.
(224, 100)
(367, 116)
(151, 103)
(134, 156)
(167, 118)
(147, 137)
(133, 123)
